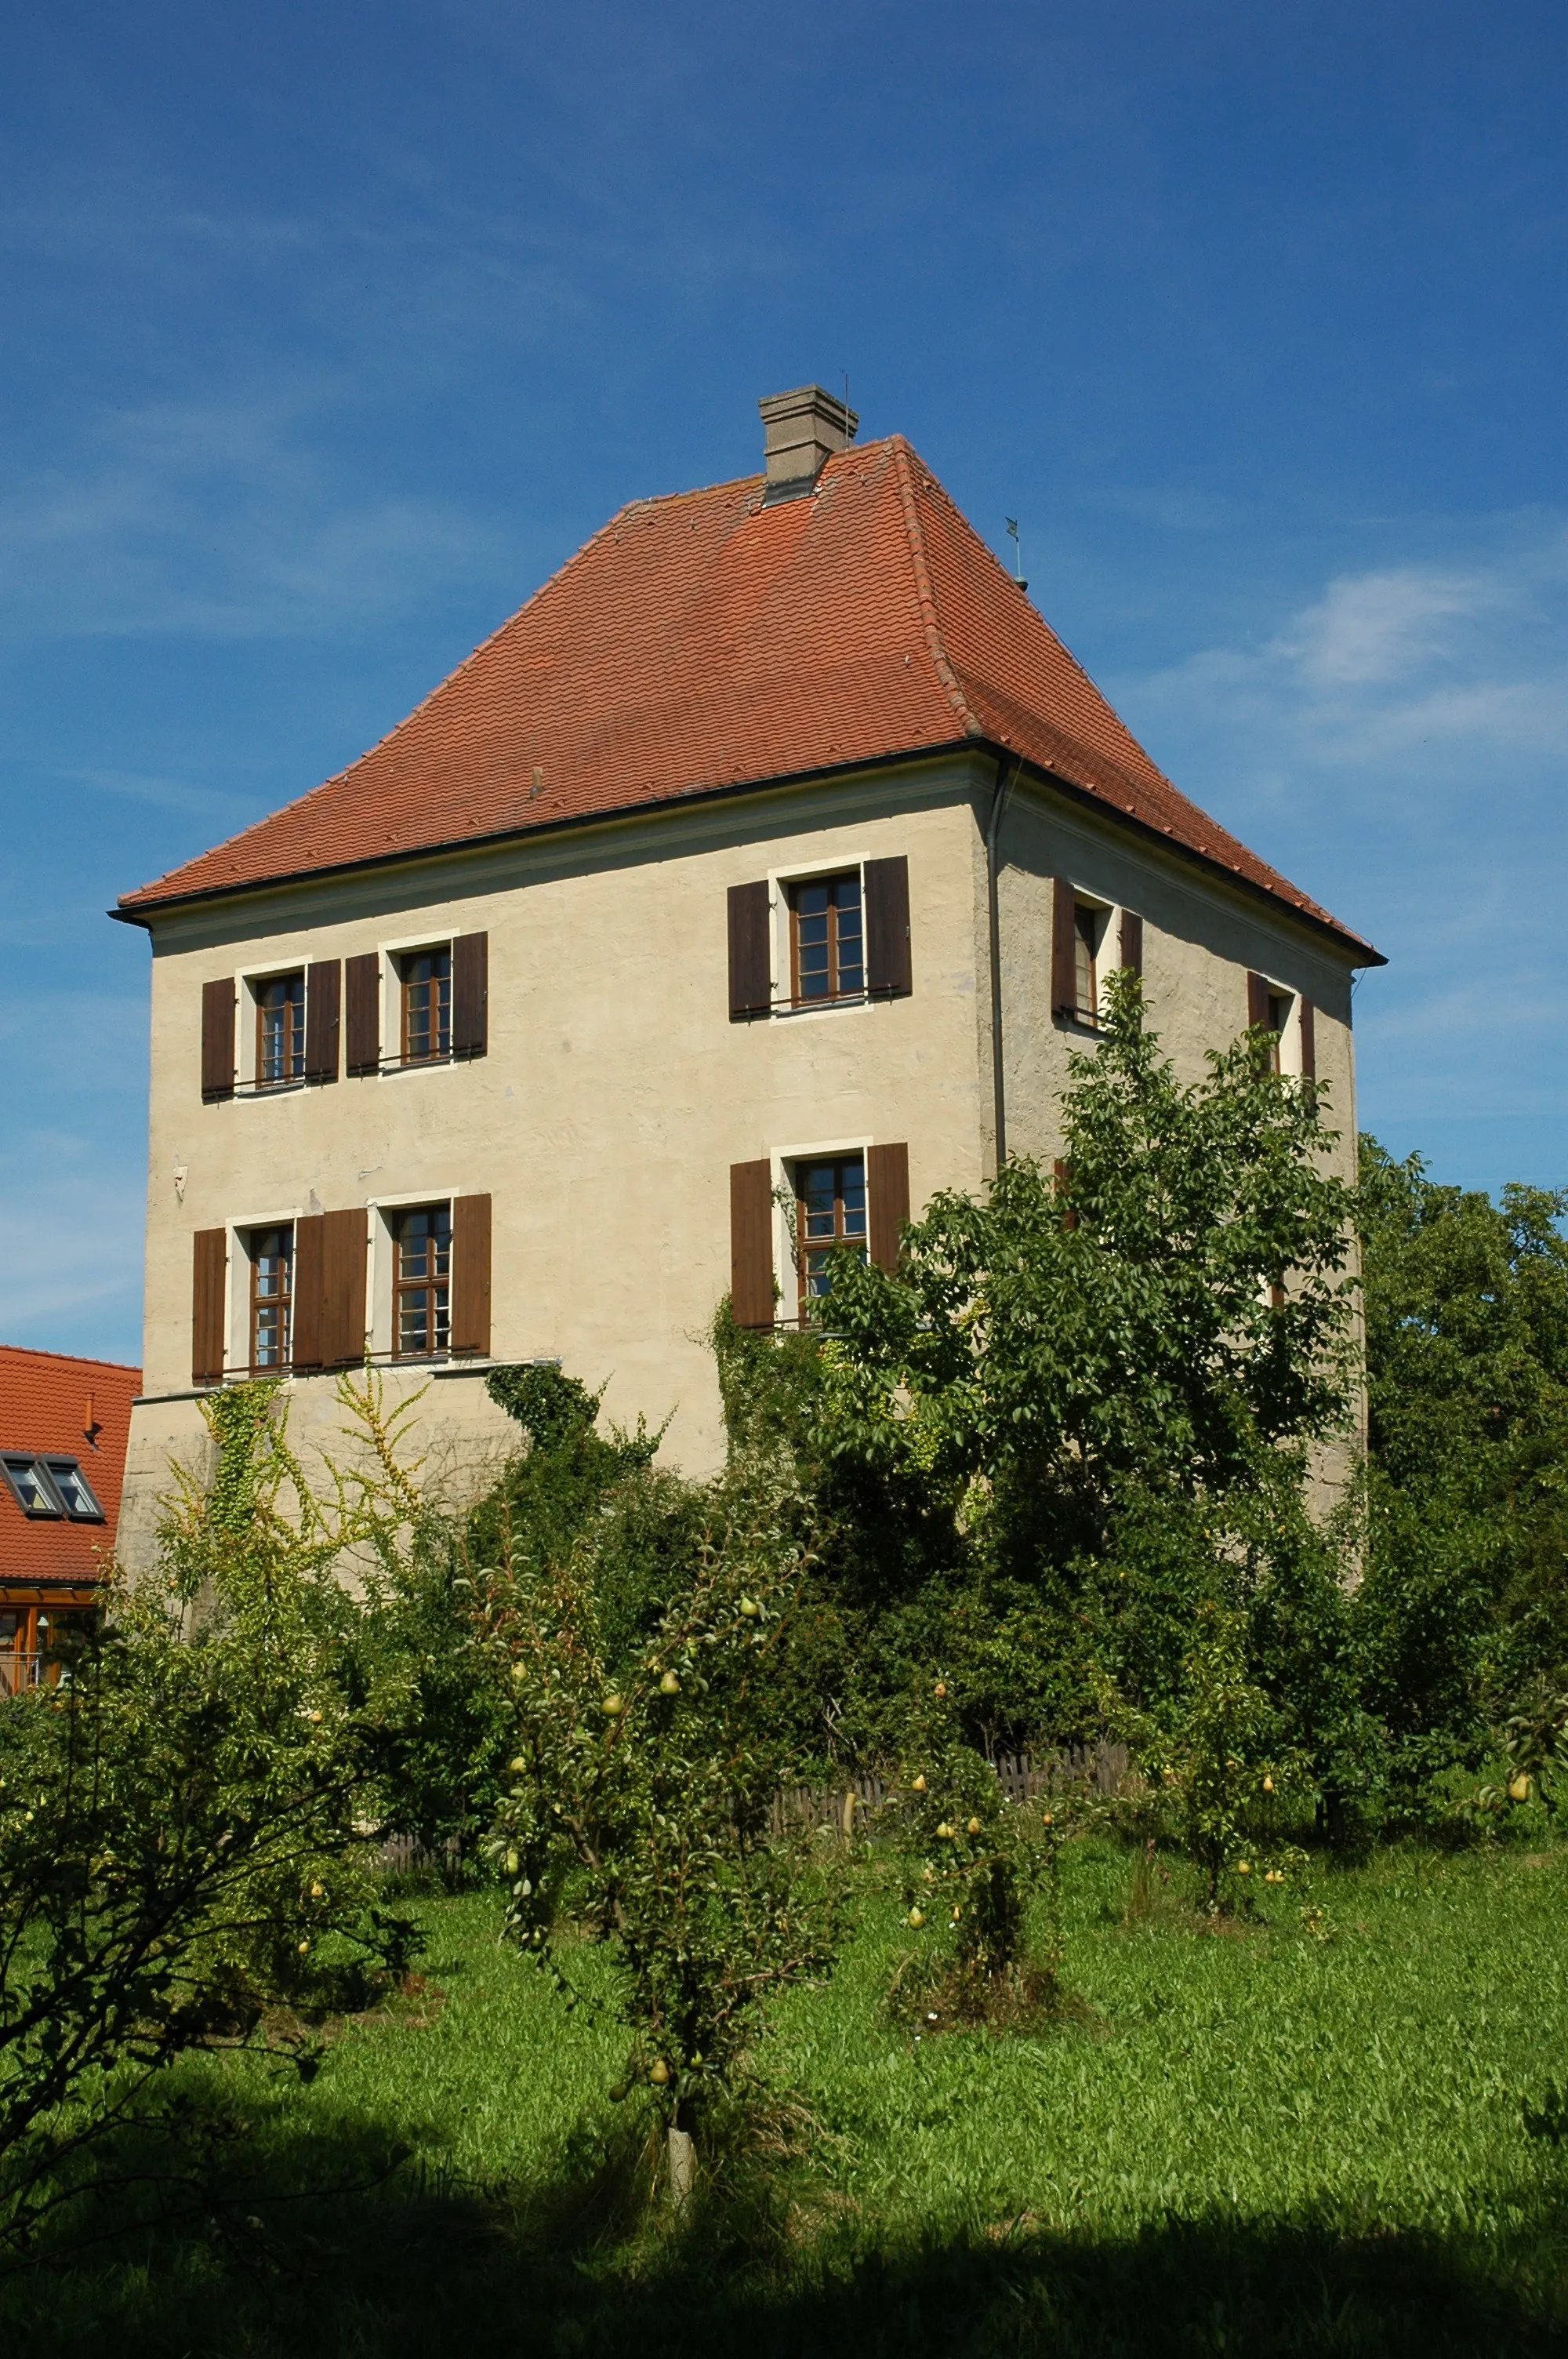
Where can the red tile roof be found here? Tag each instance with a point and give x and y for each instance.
(706, 641)
(47, 1402)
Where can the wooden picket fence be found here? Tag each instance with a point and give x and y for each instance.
(856, 1805)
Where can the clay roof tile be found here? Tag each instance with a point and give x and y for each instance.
(706, 641)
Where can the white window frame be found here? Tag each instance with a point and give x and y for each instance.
(237, 1318)
(805, 872)
(1110, 914)
(1291, 1035)
(392, 954)
(246, 980)
(782, 1164)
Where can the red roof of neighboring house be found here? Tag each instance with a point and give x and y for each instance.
(46, 1404)
(708, 641)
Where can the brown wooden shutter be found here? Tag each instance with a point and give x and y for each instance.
(889, 967)
(323, 1003)
(209, 1304)
(344, 1287)
(752, 1243)
(1309, 1041)
(1062, 1171)
(1133, 940)
(218, 1039)
(750, 953)
(362, 991)
(1256, 1002)
(471, 994)
(470, 1275)
(887, 1190)
(308, 1291)
(1064, 949)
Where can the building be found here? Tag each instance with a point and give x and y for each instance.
(64, 1424)
(753, 881)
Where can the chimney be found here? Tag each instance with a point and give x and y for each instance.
(801, 431)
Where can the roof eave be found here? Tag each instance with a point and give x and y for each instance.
(1364, 954)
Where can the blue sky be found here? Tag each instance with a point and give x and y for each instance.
(331, 331)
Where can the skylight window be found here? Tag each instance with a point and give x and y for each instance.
(51, 1486)
(75, 1492)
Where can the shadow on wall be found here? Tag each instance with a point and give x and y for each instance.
(266, 2242)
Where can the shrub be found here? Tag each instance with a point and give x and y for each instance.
(183, 1833)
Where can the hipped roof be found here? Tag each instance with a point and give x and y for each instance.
(710, 641)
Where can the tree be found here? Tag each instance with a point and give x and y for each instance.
(1466, 1600)
(1099, 1383)
(647, 1755)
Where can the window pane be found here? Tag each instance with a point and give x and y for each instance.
(1085, 931)
(851, 973)
(426, 1005)
(831, 1212)
(34, 1493)
(827, 938)
(424, 1259)
(72, 1484)
(271, 1293)
(280, 1030)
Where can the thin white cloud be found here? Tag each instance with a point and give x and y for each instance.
(220, 520)
(1399, 670)
(1383, 627)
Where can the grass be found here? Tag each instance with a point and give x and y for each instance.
(1264, 2141)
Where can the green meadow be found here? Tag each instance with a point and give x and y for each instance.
(1306, 2133)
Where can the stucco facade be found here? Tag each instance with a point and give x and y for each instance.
(616, 1093)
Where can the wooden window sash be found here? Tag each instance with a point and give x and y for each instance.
(281, 997)
(843, 1214)
(1085, 978)
(835, 932)
(436, 1009)
(426, 1292)
(280, 1302)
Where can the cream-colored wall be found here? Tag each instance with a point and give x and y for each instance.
(615, 1097)
(1200, 940)
(616, 1093)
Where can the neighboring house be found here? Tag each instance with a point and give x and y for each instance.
(64, 1429)
(754, 880)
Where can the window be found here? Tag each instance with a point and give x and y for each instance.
(280, 1030)
(31, 1486)
(426, 1005)
(1278, 1004)
(271, 1299)
(827, 938)
(1086, 944)
(422, 1274)
(831, 1210)
(76, 1496)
